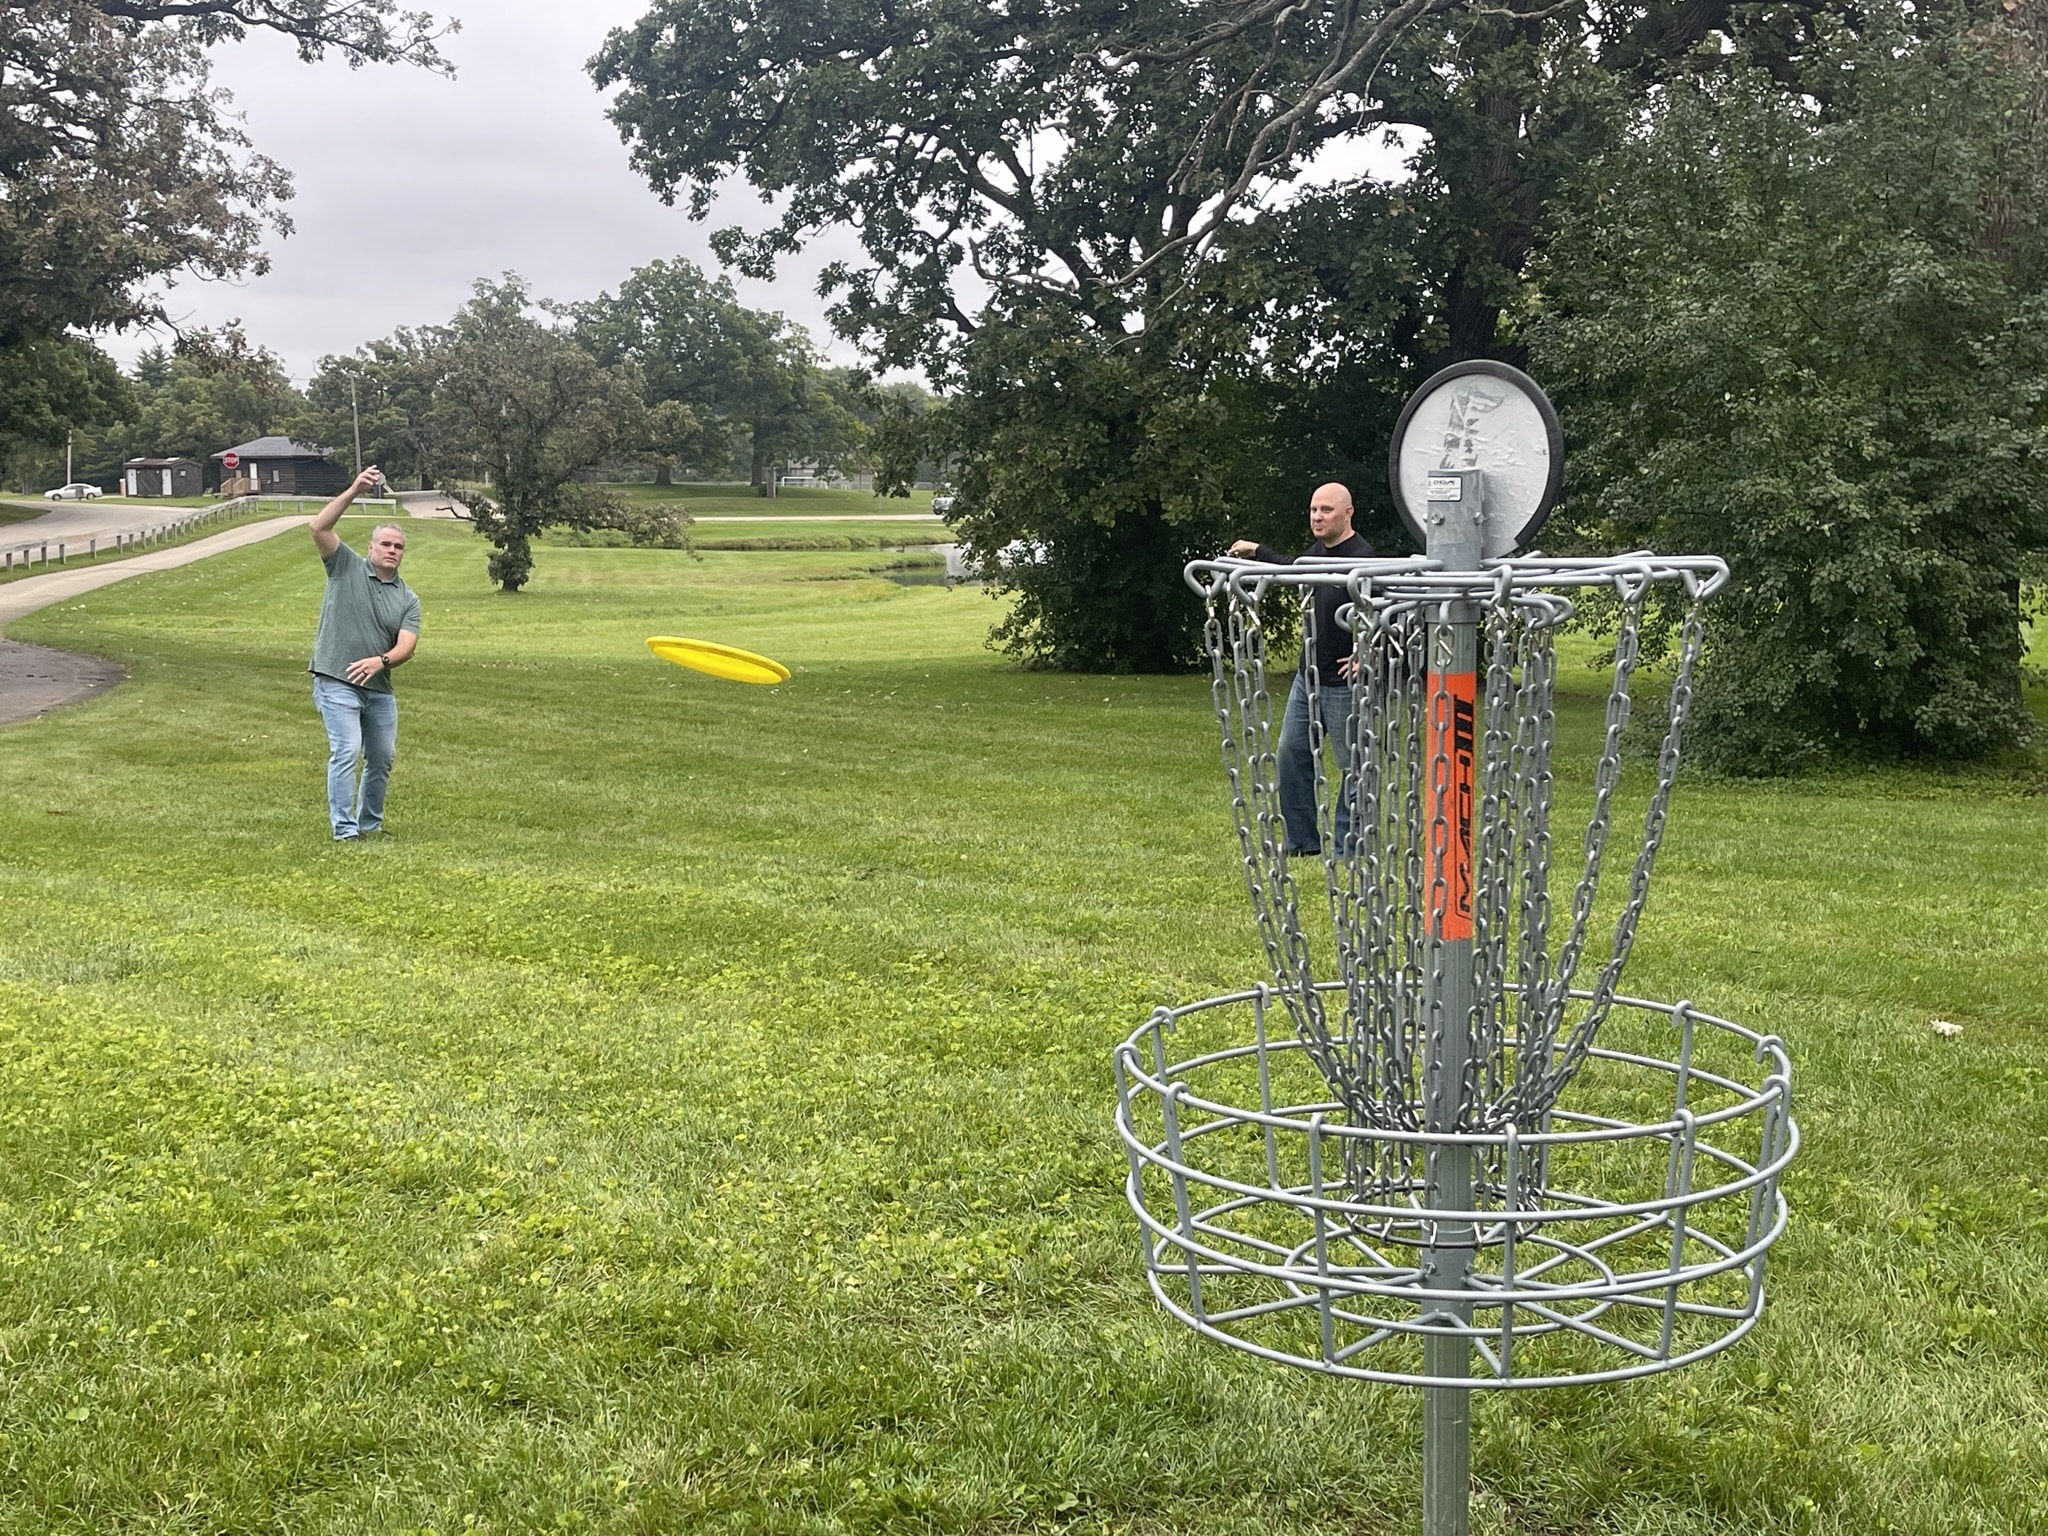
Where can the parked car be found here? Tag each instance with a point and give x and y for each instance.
(77, 490)
(942, 504)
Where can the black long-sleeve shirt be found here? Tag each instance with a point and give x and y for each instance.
(1333, 641)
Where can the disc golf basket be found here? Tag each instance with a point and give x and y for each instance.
(1437, 1145)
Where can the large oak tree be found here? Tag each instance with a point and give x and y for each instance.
(1075, 218)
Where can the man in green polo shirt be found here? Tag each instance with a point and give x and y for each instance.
(369, 624)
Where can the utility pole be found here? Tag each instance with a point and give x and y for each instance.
(356, 416)
(67, 455)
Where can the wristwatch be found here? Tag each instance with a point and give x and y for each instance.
(386, 659)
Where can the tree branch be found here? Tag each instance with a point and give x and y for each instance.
(1277, 139)
(364, 31)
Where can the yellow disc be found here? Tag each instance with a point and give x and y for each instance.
(727, 661)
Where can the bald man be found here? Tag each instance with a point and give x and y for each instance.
(1329, 520)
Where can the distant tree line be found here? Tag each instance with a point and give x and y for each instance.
(514, 406)
(122, 164)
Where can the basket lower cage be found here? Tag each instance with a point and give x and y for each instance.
(1623, 1235)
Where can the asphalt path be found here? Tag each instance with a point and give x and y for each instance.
(75, 521)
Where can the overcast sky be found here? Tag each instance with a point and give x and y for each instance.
(410, 186)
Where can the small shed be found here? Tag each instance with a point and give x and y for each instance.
(279, 466)
(161, 477)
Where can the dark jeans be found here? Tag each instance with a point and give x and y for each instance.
(1335, 701)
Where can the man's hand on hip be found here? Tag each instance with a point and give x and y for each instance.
(360, 672)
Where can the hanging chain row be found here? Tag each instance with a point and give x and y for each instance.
(1370, 1039)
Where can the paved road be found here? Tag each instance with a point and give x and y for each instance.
(425, 504)
(77, 521)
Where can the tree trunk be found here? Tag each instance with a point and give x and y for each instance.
(662, 474)
(764, 474)
(1492, 180)
(511, 564)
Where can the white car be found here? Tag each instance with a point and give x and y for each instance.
(77, 490)
(942, 504)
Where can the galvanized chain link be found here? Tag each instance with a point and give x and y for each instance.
(1237, 649)
(1376, 1040)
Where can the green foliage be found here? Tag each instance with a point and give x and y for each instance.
(49, 385)
(387, 385)
(1085, 480)
(1085, 448)
(907, 124)
(1816, 342)
(1150, 371)
(218, 390)
(521, 403)
(122, 163)
(215, 389)
(745, 379)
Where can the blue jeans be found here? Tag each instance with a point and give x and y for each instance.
(1335, 700)
(362, 733)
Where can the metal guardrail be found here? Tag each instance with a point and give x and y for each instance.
(127, 540)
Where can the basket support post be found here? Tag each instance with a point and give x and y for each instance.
(1455, 527)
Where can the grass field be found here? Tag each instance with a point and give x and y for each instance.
(710, 500)
(696, 1116)
(776, 534)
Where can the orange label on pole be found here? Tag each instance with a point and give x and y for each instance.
(1453, 787)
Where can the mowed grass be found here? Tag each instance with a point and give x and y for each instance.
(764, 534)
(723, 500)
(697, 1116)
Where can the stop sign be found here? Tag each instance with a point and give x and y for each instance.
(230, 459)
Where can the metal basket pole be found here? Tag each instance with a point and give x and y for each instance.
(1455, 527)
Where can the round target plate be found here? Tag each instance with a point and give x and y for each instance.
(1487, 416)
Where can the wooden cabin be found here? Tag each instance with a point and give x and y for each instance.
(278, 466)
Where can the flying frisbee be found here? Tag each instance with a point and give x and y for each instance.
(727, 661)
